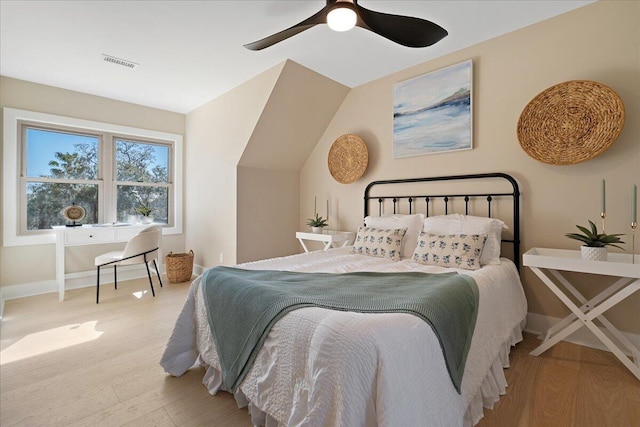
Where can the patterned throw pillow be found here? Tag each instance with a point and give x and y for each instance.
(467, 224)
(378, 242)
(450, 250)
(413, 223)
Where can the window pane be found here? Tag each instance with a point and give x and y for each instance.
(140, 162)
(133, 199)
(61, 155)
(45, 202)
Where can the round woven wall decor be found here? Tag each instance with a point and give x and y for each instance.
(348, 158)
(571, 122)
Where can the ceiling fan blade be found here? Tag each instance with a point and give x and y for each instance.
(405, 30)
(318, 18)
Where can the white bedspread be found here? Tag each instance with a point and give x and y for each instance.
(320, 367)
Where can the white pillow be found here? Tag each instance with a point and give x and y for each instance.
(413, 223)
(450, 250)
(467, 224)
(378, 242)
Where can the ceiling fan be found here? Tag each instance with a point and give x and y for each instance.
(342, 15)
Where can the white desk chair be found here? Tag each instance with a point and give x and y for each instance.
(142, 248)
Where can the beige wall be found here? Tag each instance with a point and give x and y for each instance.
(265, 232)
(245, 147)
(218, 134)
(28, 264)
(598, 42)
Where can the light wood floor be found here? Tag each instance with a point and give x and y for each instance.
(77, 363)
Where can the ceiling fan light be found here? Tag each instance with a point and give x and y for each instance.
(341, 18)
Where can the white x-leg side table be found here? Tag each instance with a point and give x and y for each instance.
(618, 265)
(328, 237)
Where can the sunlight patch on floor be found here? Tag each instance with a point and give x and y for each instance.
(140, 294)
(50, 340)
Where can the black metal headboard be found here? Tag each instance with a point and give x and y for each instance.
(428, 200)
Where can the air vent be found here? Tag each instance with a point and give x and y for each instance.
(119, 61)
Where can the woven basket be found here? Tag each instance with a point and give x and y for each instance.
(571, 122)
(348, 158)
(179, 267)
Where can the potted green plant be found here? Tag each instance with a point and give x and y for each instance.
(146, 212)
(317, 223)
(595, 245)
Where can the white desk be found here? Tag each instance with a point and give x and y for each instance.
(91, 235)
(328, 237)
(618, 265)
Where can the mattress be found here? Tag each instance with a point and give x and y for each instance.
(320, 367)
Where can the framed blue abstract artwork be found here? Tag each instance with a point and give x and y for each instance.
(432, 112)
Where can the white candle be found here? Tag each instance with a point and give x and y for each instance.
(634, 204)
(603, 204)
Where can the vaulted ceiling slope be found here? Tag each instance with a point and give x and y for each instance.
(296, 115)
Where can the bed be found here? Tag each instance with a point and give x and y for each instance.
(323, 367)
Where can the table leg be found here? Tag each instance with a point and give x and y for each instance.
(303, 245)
(633, 367)
(586, 305)
(60, 265)
(585, 315)
(555, 339)
(327, 245)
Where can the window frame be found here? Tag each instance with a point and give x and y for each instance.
(14, 184)
(24, 179)
(114, 170)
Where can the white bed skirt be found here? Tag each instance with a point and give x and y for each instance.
(493, 386)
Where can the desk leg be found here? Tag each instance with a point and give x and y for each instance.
(327, 245)
(60, 265)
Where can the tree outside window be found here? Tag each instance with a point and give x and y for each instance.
(142, 178)
(63, 168)
(57, 179)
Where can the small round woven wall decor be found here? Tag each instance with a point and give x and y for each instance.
(348, 158)
(571, 122)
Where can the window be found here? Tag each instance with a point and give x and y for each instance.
(114, 172)
(142, 180)
(61, 169)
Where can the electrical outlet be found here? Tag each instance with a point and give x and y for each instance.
(221, 257)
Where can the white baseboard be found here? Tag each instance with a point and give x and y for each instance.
(537, 324)
(198, 269)
(83, 279)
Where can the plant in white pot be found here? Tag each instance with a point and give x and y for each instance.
(146, 212)
(317, 223)
(595, 245)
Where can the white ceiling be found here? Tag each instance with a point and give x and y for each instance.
(192, 51)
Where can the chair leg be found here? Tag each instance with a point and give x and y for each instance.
(115, 275)
(150, 282)
(98, 287)
(157, 272)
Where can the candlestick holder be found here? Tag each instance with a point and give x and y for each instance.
(603, 215)
(634, 225)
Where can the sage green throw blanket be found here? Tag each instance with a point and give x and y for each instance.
(243, 305)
